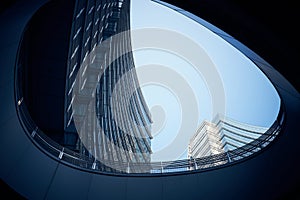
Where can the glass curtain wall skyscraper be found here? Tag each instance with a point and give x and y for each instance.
(94, 23)
(105, 116)
(222, 135)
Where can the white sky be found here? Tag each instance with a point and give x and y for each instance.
(249, 96)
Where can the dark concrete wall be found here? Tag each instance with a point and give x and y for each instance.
(45, 48)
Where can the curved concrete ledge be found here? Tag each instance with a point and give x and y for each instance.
(273, 173)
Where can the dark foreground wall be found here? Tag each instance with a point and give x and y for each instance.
(271, 174)
(43, 56)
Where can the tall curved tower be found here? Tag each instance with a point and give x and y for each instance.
(104, 114)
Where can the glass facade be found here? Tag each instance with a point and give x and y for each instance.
(101, 81)
(222, 135)
(205, 142)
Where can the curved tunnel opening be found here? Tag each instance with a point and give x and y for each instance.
(44, 61)
(273, 173)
